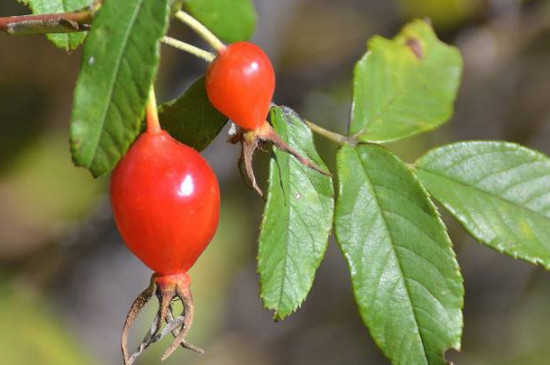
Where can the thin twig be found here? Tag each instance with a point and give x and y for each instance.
(77, 21)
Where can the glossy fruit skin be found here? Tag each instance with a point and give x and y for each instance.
(166, 201)
(240, 83)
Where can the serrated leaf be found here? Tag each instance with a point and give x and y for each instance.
(231, 20)
(404, 273)
(499, 191)
(297, 219)
(404, 86)
(191, 119)
(66, 41)
(118, 65)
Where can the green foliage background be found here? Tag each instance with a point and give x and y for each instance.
(40, 242)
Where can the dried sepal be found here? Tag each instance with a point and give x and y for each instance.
(166, 288)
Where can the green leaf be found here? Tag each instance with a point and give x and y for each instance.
(404, 86)
(499, 191)
(297, 219)
(404, 273)
(66, 41)
(118, 65)
(231, 20)
(191, 119)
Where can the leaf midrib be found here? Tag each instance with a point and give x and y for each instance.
(127, 36)
(393, 249)
(285, 256)
(485, 192)
(287, 183)
(496, 197)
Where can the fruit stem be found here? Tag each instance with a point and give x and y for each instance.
(152, 118)
(335, 137)
(201, 30)
(189, 48)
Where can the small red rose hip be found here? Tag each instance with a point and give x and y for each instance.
(240, 83)
(166, 201)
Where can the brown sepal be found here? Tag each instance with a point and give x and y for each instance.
(252, 140)
(166, 289)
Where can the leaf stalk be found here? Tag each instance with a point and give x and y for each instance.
(333, 136)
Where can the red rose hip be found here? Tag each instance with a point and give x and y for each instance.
(165, 200)
(240, 83)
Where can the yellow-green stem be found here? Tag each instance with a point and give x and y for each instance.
(202, 30)
(189, 48)
(338, 138)
(152, 118)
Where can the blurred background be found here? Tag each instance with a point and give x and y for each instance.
(67, 281)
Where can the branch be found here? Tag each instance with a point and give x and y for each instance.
(77, 21)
